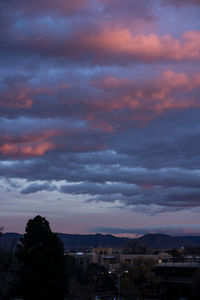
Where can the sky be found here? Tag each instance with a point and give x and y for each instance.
(100, 115)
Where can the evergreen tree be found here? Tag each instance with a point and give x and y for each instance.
(41, 254)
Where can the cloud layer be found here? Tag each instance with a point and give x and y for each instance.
(101, 100)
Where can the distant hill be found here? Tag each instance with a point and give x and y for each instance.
(73, 241)
(164, 241)
(9, 239)
(92, 240)
(87, 241)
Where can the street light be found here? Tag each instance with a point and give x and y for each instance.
(118, 280)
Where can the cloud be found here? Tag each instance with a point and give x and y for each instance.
(96, 188)
(14, 150)
(159, 91)
(46, 7)
(108, 103)
(179, 3)
(28, 145)
(158, 200)
(107, 46)
(129, 12)
(143, 101)
(172, 189)
(35, 187)
(121, 45)
(20, 99)
(103, 98)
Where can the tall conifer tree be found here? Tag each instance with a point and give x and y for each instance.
(41, 253)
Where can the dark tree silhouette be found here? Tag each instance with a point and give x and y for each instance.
(41, 254)
(196, 284)
(9, 270)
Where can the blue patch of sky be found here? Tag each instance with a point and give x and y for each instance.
(23, 124)
(176, 21)
(45, 24)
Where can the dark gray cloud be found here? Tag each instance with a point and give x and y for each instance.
(35, 187)
(171, 199)
(155, 165)
(96, 188)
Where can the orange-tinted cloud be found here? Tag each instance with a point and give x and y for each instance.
(126, 47)
(144, 101)
(112, 83)
(17, 99)
(28, 145)
(115, 46)
(23, 97)
(40, 136)
(15, 150)
(103, 124)
(155, 92)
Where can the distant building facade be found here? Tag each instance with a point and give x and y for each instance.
(112, 258)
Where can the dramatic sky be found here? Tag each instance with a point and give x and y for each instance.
(100, 115)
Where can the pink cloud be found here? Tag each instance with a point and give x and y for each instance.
(28, 145)
(149, 47)
(170, 81)
(144, 101)
(113, 46)
(112, 83)
(17, 99)
(156, 89)
(121, 46)
(23, 97)
(116, 103)
(100, 123)
(14, 150)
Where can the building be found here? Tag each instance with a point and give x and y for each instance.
(112, 259)
(82, 258)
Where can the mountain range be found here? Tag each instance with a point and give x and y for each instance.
(79, 241)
